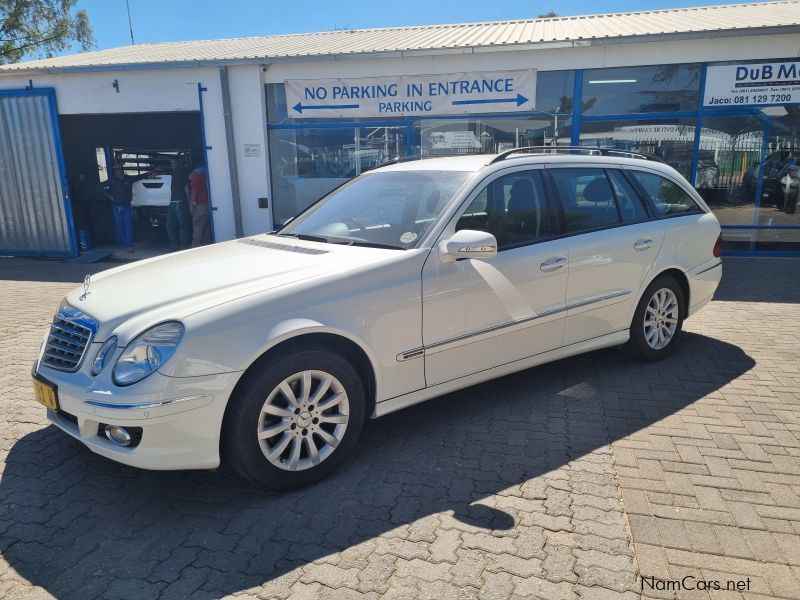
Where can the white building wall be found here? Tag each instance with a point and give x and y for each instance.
(248, 108)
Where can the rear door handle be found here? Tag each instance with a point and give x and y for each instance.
(553, 264)
(643, 244)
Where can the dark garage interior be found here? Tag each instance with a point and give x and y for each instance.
(156, 136)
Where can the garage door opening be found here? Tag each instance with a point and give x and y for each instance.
(143, 145)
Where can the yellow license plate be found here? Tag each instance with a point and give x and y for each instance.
(46, 394)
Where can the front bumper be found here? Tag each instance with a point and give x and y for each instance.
(180, 417)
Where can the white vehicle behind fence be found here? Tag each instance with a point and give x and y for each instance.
(408, 282)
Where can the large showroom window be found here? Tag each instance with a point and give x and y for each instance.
(671, 140)
(743, 160)
(650, 89)
(307, 163)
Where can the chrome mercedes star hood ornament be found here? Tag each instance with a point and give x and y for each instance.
(87, 281)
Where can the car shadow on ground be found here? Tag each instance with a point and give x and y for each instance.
(78, 525)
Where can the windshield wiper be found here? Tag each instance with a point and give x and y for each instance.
(364, 244)
(305, 237)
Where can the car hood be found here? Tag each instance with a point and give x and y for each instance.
(127, 299)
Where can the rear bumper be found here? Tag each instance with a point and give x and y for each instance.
(703, 282)
(180, 425)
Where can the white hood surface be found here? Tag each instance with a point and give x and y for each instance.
(176, 285)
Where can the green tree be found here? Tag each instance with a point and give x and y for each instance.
(547, 15)
(41, 28)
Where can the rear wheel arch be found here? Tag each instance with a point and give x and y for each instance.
(676, 274)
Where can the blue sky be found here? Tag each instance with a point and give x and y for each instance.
(174, 20)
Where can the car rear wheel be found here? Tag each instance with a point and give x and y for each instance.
(658, 319)
(293, 422)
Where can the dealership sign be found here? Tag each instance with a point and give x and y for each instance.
(407, 95)
(753, 84)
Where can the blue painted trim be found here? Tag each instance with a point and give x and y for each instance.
(767, 227)
(407, 121)
(698, 128)
(686, 114)
(200, 90)
(50, 94)
(762, 253)
(62, 168)
(577, 105)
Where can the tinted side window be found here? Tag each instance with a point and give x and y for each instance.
(667, 196)
(512, 208)
(587, 199)
(630, 205)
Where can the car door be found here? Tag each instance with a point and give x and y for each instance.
(479, 314)
(613, 239)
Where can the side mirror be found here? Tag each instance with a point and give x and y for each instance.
(468, 243)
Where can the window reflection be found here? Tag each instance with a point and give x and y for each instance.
(481, 136)
(669, 140)
(661, 88)
(308, 163)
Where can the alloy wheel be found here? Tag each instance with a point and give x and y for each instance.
(661, 319)
(303, 420)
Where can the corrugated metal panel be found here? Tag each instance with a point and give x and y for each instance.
(33, 217)
(733, 17)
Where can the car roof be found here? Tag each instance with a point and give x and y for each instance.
(476, 162)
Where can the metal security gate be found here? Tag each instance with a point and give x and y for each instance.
(35, 212)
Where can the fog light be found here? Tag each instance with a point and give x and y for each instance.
(118, 436)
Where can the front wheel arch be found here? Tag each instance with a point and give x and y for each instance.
(337, 343)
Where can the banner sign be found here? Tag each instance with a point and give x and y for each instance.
(753, 84)
(405, 95)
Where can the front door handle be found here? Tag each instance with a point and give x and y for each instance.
(553, 264)
(643, 244)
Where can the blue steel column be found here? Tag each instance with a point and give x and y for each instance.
(577, 105)
(206, 148)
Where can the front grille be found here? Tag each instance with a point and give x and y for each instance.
(70, 334)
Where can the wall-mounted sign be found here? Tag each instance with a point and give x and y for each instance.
(252, 150)
(753, 84)
(404, 95)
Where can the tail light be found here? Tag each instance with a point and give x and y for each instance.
(718, 247)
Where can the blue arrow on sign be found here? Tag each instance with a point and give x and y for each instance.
(300, 107)
(519, 100)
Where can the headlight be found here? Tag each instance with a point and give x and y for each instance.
(100, 360)
(147, 353)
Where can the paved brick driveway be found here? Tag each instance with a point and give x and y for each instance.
(565, 481)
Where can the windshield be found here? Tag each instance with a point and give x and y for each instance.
(393, 209)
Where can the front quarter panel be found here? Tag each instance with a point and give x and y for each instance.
(377, 306)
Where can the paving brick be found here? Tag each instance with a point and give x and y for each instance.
(576, 478)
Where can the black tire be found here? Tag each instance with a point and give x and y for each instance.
(638, 343)
(240, 445)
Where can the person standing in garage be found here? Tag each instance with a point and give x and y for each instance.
(198, 193)
(119, 188)
(178, 218)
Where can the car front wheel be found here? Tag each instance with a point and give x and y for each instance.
(658, 319)
(294, 421)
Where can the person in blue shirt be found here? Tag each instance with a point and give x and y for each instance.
(119, 189)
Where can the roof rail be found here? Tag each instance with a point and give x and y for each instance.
(572, 150)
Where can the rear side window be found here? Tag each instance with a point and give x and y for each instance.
(629, 202)
(587, 199)
(667, 196)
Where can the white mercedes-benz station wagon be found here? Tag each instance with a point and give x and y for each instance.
(408, 282)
